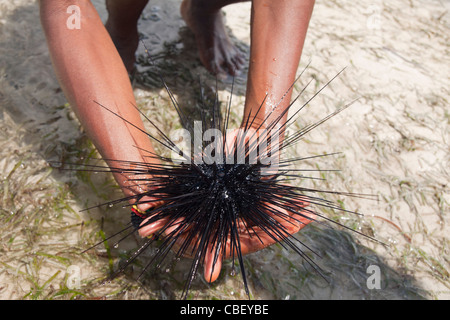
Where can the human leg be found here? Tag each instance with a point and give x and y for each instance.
(122, 27)
(217, 52)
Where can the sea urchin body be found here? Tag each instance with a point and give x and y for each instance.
(223, 194)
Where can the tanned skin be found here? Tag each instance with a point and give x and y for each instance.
(92, 64)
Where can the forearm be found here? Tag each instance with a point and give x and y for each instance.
(90, 69)
(277, 36)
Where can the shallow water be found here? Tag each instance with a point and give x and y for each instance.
(394, 143)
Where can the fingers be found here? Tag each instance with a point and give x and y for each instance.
(305, 218)
(151, 228)
(287, 220)
(302, 216)
(146, 203)
(257, 238)
(174, 226)
(212, 264)
(147, 230)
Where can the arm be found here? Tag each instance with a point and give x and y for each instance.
(89, 68)
(278, 32)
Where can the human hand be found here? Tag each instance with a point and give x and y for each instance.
(286, 218)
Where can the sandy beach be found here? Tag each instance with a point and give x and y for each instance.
(393, 142)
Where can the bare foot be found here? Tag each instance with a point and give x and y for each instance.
(217, 52)
(126, 44)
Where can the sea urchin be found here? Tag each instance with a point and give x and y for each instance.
(220, 195)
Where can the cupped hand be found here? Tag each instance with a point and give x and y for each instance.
(289, 220)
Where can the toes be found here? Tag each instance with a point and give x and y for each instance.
(221, 58)
(238, 59)
(232, 60)
(214, 68)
